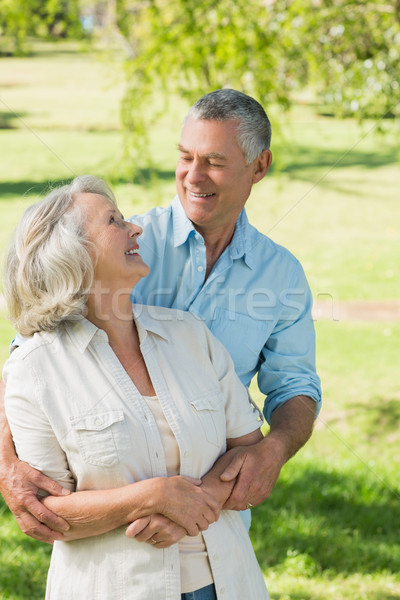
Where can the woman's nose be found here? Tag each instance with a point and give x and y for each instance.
(134, 230)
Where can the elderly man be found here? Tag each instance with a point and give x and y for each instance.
(205, 257)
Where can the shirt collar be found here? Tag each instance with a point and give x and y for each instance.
(147, 319)
(82, 332)
(242, 241)
(182, 226)
(238, 247)
(152, 319)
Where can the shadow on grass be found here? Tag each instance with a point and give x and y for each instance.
(376, 421)
(144, 177)
(318, 521)
(27, 188)
(8, 119)
(383, 416)
(302, 158)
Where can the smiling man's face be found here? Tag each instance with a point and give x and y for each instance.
(213, 180)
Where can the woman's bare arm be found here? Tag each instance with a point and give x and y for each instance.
(157, 528)
(181, 499)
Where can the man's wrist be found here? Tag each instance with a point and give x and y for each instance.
(276, 442)
(7, 448)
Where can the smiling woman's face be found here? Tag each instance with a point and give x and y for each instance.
(118, 262)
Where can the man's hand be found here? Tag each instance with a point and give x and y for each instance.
(19, 485)
(156, 530)
(257, 467)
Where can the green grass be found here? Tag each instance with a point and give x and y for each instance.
(331, 527)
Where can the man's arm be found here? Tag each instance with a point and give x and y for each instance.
(287, 370)
(19, 485)
(156, 528)
(256, 468)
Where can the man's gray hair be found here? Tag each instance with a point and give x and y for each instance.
(254, 127)
(49, 266)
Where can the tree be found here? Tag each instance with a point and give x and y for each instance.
(348, 51)
(188, 47)
(20, 19)
(351, 52)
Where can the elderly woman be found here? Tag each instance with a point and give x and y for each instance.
(131, 412)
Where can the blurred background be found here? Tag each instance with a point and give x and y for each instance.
(102, 88)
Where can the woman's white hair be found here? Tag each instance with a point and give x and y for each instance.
(49, 266)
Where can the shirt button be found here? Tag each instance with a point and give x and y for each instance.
(222, 590)
(215, 556)
(98, 421)
(200, 269)
(185, 454)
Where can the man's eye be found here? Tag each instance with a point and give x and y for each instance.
(112, 219)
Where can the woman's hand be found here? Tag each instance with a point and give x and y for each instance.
(185, 502)
(156, 530)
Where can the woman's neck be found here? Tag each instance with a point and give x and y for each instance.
(112, 312)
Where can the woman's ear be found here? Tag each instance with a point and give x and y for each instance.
(261, 165)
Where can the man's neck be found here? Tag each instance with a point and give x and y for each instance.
(216, 241)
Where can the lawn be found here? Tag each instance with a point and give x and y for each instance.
(330, 530)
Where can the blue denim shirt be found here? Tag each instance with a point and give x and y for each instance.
(256, 300)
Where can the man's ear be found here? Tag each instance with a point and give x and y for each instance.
(261, 165)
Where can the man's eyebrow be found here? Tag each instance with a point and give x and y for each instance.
(209, 155)
(215, 155)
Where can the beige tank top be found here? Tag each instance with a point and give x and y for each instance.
(195, 567)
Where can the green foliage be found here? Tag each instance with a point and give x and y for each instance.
(347, 51)
(350, 50)
(187, 47)
(46, 19)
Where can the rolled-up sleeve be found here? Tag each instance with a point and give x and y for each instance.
(288, 358)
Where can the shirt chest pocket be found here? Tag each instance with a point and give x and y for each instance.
(209, 414)
(243, 337)
(99, 435)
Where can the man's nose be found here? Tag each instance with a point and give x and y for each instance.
(196, 172)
